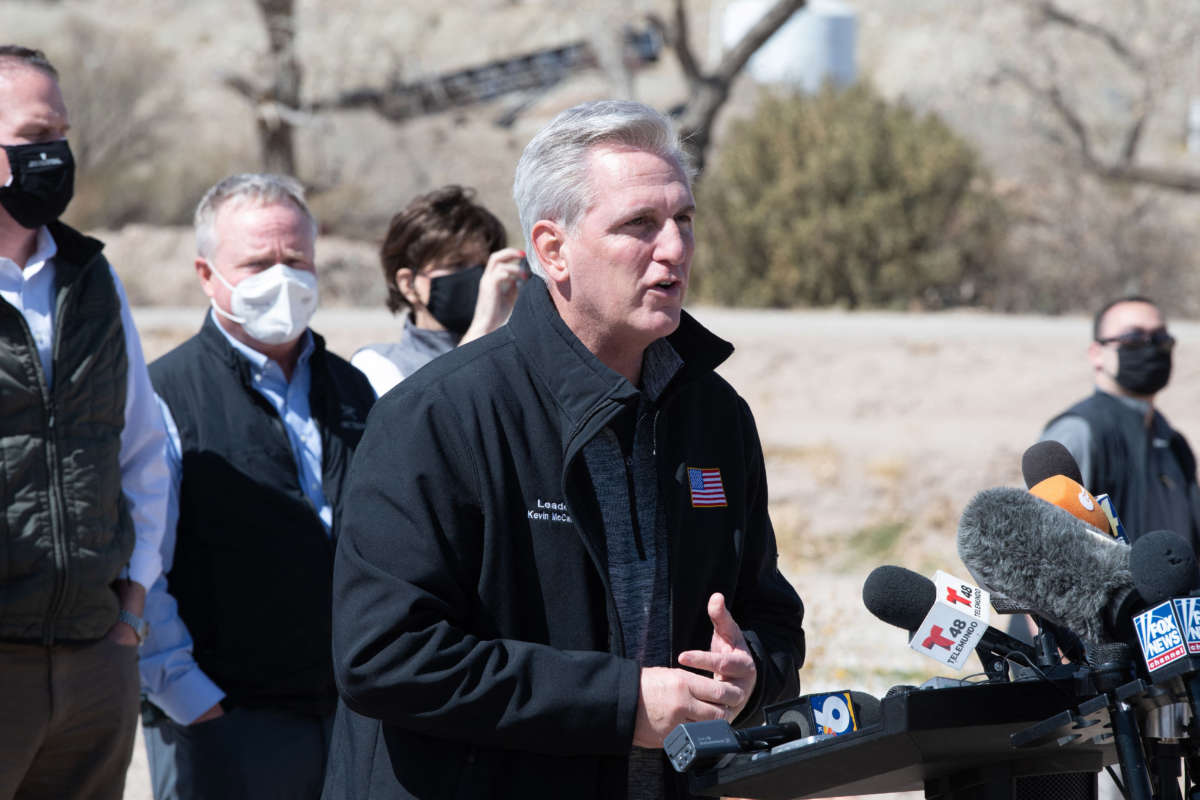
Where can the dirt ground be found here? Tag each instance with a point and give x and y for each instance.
(877, 429)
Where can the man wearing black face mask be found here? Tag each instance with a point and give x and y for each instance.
(84, 476)
(1123, 445)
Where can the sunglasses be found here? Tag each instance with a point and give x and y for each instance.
(1140, 338)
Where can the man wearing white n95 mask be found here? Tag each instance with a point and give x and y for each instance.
(262, 422)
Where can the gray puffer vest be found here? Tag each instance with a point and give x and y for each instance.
(66, 529)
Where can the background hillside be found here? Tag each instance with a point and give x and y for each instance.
(1079, 110)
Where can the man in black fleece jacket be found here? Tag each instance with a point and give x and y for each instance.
(555, 544)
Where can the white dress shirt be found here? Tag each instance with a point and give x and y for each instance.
(143, 468)
(171, 678)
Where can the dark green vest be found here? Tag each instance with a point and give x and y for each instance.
(66, 526)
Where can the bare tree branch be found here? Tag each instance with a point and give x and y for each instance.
(1122, 168)
(282, 91)
(737, 56)
(708, 93)
(681, 42)
(1123, 171)
(1174, 179)
(1133, 135)
(276, 96)
(1053, 14)
(1052, 96)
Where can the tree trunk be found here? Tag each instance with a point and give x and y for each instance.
(274, 131)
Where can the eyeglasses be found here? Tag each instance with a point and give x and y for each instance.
(1140, 338)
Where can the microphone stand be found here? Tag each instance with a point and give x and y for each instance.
(1167, 767)
(1192, 756)
(1111, 665)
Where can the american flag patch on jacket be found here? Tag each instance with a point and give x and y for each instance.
(707, 489)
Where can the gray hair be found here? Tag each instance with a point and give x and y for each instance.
(552, 176)
(261, 188)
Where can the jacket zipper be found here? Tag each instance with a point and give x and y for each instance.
(588, 543)
(54, 475)
(631, 490)
(671, 525)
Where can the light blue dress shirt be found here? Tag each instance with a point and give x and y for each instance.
(171, 678)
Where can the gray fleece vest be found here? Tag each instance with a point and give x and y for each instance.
(66, 528)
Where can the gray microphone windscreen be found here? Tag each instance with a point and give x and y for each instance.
(1044, 558)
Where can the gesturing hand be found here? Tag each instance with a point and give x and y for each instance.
(727, 658)
(671, 696)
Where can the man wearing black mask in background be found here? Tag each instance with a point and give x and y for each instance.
(83, 481)
(1123, 445)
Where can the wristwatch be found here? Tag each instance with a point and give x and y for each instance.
(141, 628)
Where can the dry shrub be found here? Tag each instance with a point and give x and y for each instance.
(844, 198)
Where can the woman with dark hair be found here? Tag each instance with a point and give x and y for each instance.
(445, 260)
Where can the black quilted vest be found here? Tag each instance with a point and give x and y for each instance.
(65, 528)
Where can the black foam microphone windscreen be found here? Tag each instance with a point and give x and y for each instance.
(1163, 566)
(1046, 459)
(901, 597)
(898, 596)
(1045, 559)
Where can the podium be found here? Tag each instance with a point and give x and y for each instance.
(955, 743)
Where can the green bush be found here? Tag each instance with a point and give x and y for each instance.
(843, 198)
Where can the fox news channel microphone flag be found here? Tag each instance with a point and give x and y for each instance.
(1168, 631)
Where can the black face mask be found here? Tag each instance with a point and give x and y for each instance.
(43, 182)
(452, 298)
(1143, 369)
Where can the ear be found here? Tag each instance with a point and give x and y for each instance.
(204, 272)
(404, 282)
(549, 241)
(1096, 356)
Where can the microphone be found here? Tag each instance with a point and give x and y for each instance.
(1046, 559)
(1046, 459)
(1163, 566)
(906, 599)
(1165, 574)
(705, 744)
(1069, 495)
(828, 713)
(1051, 473)
(898, 596)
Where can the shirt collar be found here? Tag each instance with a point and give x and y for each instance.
(660, 363)
(45, 249)
(259, 362)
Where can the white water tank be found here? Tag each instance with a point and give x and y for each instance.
(815, 45)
